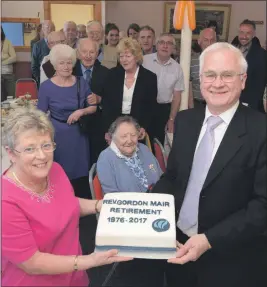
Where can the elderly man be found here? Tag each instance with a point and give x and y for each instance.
(107, 55)
(217, 174)
(53, 39)
(95, 32)
(146, 40)
(256, 57)
(95, 75)
(81, 31)
(206, 38)
(70, 31)
(170, 84)
(41, 49)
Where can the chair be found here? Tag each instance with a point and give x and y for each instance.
(94, 183)
(160, 154)
(26, 86)
(148, 143)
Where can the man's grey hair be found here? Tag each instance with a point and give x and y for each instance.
(69, 23)
(80, 42)
(120, 120)
(224, 46)
(90, 23)
(204, 30)
(166, 34)
(22, 120)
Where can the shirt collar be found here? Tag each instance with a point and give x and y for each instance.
(225, 116)
(115, 149)
(136, 73)
(155, 57)
(86, 69)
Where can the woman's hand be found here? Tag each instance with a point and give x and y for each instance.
(99, 205)
(92, 99)
(74, 117)
(107, 257)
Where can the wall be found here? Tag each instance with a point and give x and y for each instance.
(23, 9)
(79, 14)
(152, 13)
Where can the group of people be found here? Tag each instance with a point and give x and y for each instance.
(86, 113)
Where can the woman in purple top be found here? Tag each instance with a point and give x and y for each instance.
(59, 96)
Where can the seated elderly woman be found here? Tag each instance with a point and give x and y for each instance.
(127, 165)
(40, 213)
(64, 96)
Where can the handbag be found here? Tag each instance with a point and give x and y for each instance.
(82, 120)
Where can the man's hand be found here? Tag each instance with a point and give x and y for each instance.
(142, 134)
(194, 247)
(170, 126)
(74, 117)
(93, 99)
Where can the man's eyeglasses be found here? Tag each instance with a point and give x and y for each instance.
(226, 77)
(46, 148)
(168, 43)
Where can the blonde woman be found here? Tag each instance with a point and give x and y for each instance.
(40, 213)
(130, 88)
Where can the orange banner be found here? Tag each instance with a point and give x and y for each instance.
(178, 16)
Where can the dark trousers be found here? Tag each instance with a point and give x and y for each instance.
(161, 118)
(81, 187)
(244, 267)
(138, 273)
(7, 86)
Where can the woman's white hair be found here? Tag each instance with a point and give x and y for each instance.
(224, 46)
(62, 51)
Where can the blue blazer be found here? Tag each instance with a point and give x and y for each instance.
(116, 176)
(39, 51)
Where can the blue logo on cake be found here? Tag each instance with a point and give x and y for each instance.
(161, 225)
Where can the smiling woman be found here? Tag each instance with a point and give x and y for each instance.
(65, 96)
(36, 192)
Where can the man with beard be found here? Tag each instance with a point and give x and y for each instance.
(256, 57)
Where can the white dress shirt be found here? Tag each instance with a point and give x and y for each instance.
(43, 76)
(128, 95)
(170, 77)
(219, 133)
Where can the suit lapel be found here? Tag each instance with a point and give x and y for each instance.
(120, 85)
(137, 91)
(231, 143)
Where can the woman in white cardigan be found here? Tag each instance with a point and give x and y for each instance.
(8, 57)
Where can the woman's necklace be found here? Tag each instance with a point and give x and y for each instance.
(43, 196)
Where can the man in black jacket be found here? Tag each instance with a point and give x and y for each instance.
(256, 57)
(41, 49)
(217, 173)
(95, 74)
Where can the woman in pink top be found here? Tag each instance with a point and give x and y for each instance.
(40, 214)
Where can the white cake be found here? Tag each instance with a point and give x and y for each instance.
(139, 225)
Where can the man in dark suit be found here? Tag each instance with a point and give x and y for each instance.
(41, 49)
(256, 57)
(217, 174)
(95, 74)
